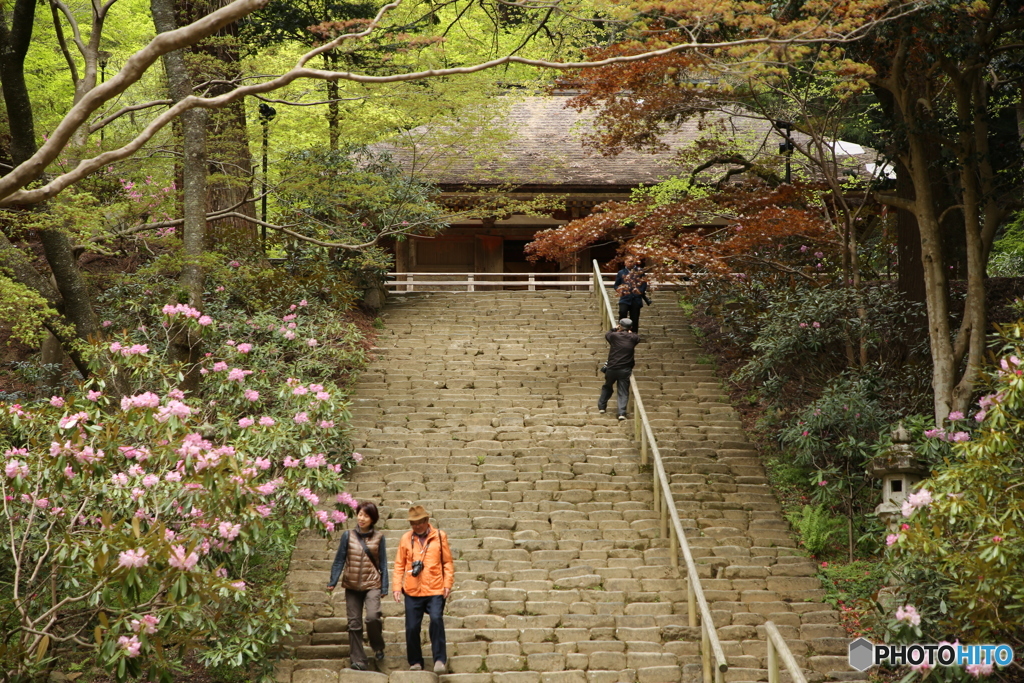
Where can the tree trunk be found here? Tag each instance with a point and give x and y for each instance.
(14, 43)
(333, 117)
(185, 347)
(229, 180)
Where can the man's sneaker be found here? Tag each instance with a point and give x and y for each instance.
(622, 417)
(416, 667)
(358, 667)
(602, 411)
(440, 667)
(379, 654)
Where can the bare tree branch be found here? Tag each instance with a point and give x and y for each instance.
(125, 110)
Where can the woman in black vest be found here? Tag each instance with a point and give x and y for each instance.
(362, 565)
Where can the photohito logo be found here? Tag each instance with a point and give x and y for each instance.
(864, 654)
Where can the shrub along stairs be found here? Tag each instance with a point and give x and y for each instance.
(482, 407)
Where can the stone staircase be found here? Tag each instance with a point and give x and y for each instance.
(482, 407)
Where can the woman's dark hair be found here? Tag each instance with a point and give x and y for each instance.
(370, 509)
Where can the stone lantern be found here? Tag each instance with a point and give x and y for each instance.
(900, 470)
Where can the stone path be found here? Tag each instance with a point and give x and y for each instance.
(481, 407)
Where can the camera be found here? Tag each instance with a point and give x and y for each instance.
(417, 567)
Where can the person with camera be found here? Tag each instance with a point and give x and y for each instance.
(631, 285)
(619, 367)
(425, 574)
(362, 565)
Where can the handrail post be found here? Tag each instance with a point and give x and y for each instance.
(531, 279)
(408, 280)
(663, 527)
(691, 603)
(470, 287)
(643, 447)
(773, 662)
(673, 553)
(705, 651)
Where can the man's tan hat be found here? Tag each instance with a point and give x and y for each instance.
(418, 512)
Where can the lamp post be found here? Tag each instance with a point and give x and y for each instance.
(267, 113)
(103, 56)
(786, 146)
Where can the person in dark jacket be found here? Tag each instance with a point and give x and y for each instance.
(619, 368)
(631, 285)
(362, 565)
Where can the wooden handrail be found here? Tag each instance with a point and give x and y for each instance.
(472, 282)
(777, 648)
(664, 504)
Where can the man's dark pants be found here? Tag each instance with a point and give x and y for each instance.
(631, 311)
(619, 377)
(415, 608)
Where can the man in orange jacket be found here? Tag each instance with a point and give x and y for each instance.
(425, 573)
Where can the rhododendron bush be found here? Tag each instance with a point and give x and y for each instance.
(960, 547)
(128, 522)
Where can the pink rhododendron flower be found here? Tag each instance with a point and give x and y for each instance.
(891, 539)
(107, 323)
(150, 480)
(301, 418)
(252, 395)
(220, 366)
(323, 396)
(956, 415)
(115, 347)
(816, 324)
(133, 558)
(288, 317)
(56, 402)
(205, 320)
(246, 422)
(978, 670)
(70, 421)
(130, 645)
(148, 624)
(997, 539)
(69, 472)
(345, 498)
(179, 559)
(94, 395)
(308, 495)
(176, 394)
(908, 613)
(960, 437)
(173, 409)
(289, 335)
(326, 424)
(172, 476)
(291, 462)
(243, 348)
(338, 516)
(358, 457)
(312, 343)
(263, 510)
(303, 303)
(314, 461)
(119, 479)
(234, 264)
(292, 307)
(229, 531)
(823, 482)
(300, 390)
(88, 455)
(238, 585)
(267, 421)
(16, 468)
(236, 375)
